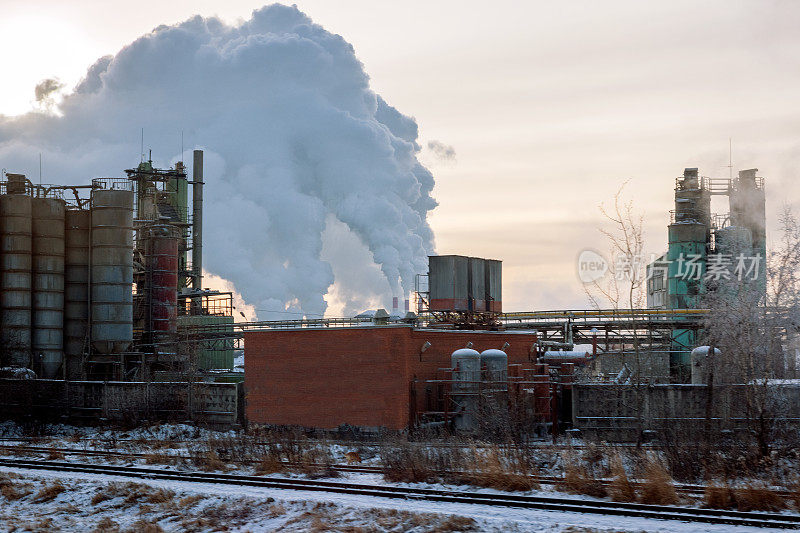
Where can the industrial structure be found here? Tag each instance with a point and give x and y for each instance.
(696, 236)
(96, 281)
(101, 300)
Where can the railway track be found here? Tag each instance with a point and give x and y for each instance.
(685, 514)
(683, 488)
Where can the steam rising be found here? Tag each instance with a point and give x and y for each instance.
(295, 141)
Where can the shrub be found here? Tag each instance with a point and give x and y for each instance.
(758, 498)
(657, 487)
(621, 489)
(718, 497)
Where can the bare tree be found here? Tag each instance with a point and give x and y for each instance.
(623, 287)
(752, 320)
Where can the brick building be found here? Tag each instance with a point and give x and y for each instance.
(361, 376)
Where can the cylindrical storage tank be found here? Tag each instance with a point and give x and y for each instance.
(700, 364)
(466, 364)
(15, 277)
(47, 268)
(77, 246)
(494, 364)
(466, 386)
(112, 270)
(162, 261)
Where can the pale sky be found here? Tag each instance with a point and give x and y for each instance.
(549, 106)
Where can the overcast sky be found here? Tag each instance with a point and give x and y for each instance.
(548, 106)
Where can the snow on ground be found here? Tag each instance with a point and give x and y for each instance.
(110, 503)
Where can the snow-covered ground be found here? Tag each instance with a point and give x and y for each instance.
(88, 502)
(91, 502)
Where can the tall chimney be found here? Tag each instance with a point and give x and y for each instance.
(197, 220)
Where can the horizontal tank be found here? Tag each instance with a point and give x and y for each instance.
(15, 277)
(77, 246)
(112, 270)
(47, 328)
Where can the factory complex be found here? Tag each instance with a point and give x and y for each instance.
(104, 317)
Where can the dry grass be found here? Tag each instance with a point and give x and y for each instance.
(492, 471)
(758, 498)
(657, 487)
(161, 459)
(209, 462)
(719, 497)
(621, 489)
(455, 523)
(11, 489)
(142, 526)
(578, 481)
(190, 501)
(135, 494)
(106, 525)
(270, 465)
(54, 455)
(49, 493)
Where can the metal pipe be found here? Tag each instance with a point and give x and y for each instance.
(197, 220)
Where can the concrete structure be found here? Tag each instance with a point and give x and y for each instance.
(112, 270)
(370, 377)
(77, 246)
(15, 277)
(47, 268)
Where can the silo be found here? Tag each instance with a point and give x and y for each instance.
(466, 386)
(47, 268)
(112, 270)
(162, 261)
(494, 364)
(76, 288)
(15, 277)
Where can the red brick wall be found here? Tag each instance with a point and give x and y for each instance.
(357, 376)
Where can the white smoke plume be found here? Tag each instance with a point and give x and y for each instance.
(294, 137)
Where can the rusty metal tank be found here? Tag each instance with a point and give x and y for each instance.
(77, 246)
(112, 270)
(162, 259)
(47, 269)
(15, 277)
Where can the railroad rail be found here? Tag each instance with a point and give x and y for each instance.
(683, 488)
(684, 514)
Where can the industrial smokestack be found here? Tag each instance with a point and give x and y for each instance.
(395, 305)
(197, 220)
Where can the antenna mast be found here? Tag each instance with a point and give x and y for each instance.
(730, 158)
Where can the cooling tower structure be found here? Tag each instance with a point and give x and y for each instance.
(47, 268)
(15, 276)
(112, 270)
(77, 243)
